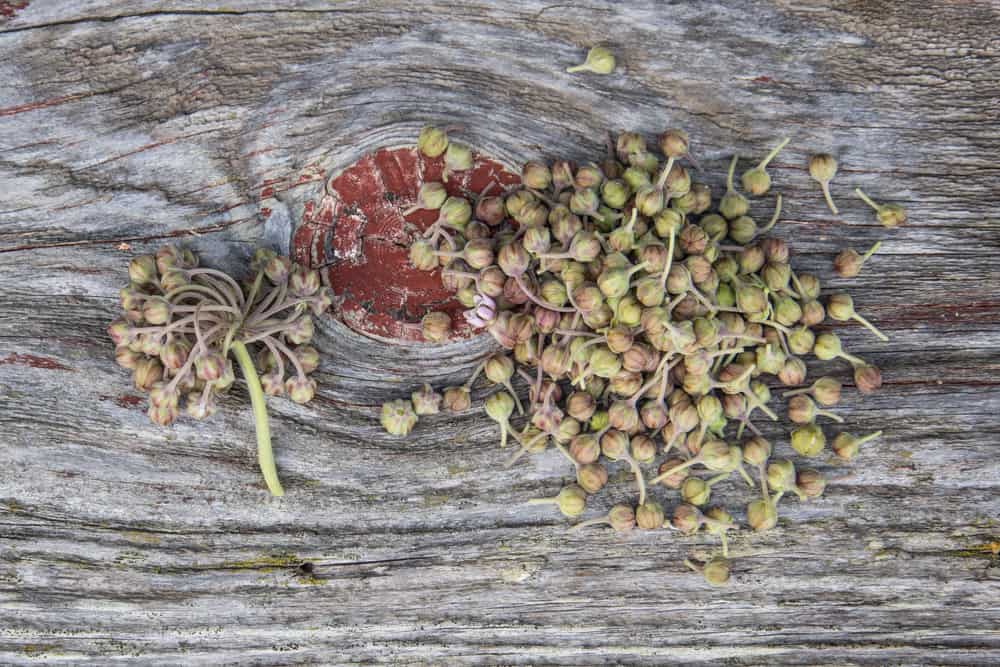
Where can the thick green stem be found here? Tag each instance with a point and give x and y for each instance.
(265, 456)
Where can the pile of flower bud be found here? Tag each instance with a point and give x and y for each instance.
(649, 322)
(181, 322)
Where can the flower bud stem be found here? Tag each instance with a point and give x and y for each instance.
(592, 522)
(770, 156)
(670, 260)
(234, 291)
(825, 185)
(774, 218)
(835, 417)
(265, 456)
(871, 327)
(866, 199)
(661, 181)
(538, 302)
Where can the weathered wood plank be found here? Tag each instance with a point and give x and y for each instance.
(121, 541)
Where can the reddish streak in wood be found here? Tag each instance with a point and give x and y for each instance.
(34, 362)
(32, 106)
(358, 233)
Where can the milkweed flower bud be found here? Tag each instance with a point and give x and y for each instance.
(398, 417)
(436, 326)
(456, 399)
(303, 281)
(142, 270)
(649, 515)
(426, 401)
(146, 373)
(432, 141)
(808, 440)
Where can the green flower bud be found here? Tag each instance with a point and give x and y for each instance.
(146, 373)
(588, 177)
(695, 491)
(432, 141)
(398, 417)
(303, 281)
(756, 180)
(300, 331)
(156, 310)
(756, 451)
(888, 215)
(604, 363)
(643, 448)
(584, 201)
(423, 256)
(201, 405)
(615, 193)
(787, 311)
(175, 353)
(456, 213)
(456, 399)
(622, 518)
(426, 401)
(801, 340)
(762, 515)
(822, 169)
(572, 501)
(599, 61)
(142, 270)
(649, 200)
(649, 515)
(733, 204)
(210, 366)
(301, 389)
(457, 157)
(591, 477)
(847, 446)
(162, 415)
(272, 383)
(808, 440)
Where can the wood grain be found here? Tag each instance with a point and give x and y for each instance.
(124, 124)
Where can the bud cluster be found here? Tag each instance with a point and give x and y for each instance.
(648, 324)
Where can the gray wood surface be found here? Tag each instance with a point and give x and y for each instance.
(123, 124)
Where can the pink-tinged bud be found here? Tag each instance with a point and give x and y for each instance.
(456, 399)
(490, 210)
(303, 281)
(174, 279)
(161, 394)
(398, 417)
(201, 405)
(300, 331)
(210, 366)
(300, 389)
(150, 344)
(146, 373)
(142, 270)
(260, 258)
(272, 383)
(867, 378)
(167, 257)
(175, 353)
(435, 326)
(127, 358)
(227, 379)
(120, 332)
(162, 415)
(156, 310)
(536, 175)
(277, 269)
(308, 357)
(131, 297)
(426, 401)
(322, 301)
(649, 516)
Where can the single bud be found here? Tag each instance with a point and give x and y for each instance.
(888, 215)
(536, 175)
(676, 478)
(146, 373)
(813, 313)
(161, 394)
(733, 204)
(591, 477)
(423, 256)
(456, 399)
(846, 446)
(435, 326)
(756, 180)
(810, 482)
(175, 353)
(142, 270)
(841, 308)
(867, 378)
(762, 515)
(588, 177)
(822, 169)
(801, 340)
(808, 440)
(398, 417)
(580, 405)
(696, 491)
(649, 515)
(210, 366)
(622, 518)
(848, 262)
(643, 448)
(162, 415)
(716, 572)
(301, 330)
(456, 213)
(756, 451)
(793, 372)
(489, 210)
(303, 281)
(300, 389)
(128, 358)
(201, 405)
(426, 401)
(273, 383)
(432, 141)
(572, 501)
(599, 61)
(457, 157)
(156, 310)
(614, 193)
(560, 176)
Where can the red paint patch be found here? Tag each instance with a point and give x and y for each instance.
(8, 8)
(34, 362)
(763, 79)
(358, 233)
